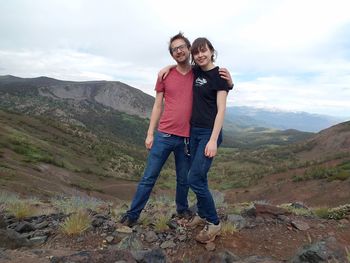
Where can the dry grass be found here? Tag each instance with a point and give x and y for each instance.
(228, 228)
(161, 223)
(20, 209)
(76, 223)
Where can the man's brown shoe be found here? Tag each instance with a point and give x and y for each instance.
(196, 221)
(209, 233)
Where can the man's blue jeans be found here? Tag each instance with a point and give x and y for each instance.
(163, 145)
(198, 174)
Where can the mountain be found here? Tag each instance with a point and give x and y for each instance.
(113, 94)
(281, 120)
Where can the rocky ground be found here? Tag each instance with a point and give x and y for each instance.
(264, 233)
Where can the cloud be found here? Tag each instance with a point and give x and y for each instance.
(280, 53)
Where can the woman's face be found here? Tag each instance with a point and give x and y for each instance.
(203, 57)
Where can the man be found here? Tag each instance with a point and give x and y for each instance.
(173, 131)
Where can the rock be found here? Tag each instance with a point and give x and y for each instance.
(265, 210)
(10, 239)
(151, 236)
(238, 220)
(3, 223)
(259, 259)
(97, 222)
(299, 205)
(323, 251)
(41, 225)
(168, 244)
(3, 254)
(124, 229)
(109, 239)
(284, 219)
(172, 224)
(130, 242)
(210, 246)
(38, 240)
(111, 255)
(149, 256)
(300, 225)
(24, 227)
(182, 237)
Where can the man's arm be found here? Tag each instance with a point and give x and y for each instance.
(155, 116)
(225, 74)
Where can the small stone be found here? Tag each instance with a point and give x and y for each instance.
(210, 246)
(168, 244)
(124, 229)
(300, 225)
(38, 240)
(182, 238)
(109, 239)
(151, 236)
(41, 225)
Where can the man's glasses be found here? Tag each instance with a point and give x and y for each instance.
(181, 48)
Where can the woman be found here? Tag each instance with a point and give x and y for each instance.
(208, 110)
(210, 89)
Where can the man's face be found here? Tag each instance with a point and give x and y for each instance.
(179, 51)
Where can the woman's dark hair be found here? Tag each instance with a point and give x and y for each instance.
(199, 44)
(180, 35)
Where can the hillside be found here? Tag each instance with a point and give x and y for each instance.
(43, 157)
(302, 171)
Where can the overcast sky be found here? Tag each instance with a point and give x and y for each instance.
(292, 55)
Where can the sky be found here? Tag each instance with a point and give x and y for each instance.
(291, 55)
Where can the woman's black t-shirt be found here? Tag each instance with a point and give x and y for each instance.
(206, 84)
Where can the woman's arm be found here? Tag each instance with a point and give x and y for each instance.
(212, 146)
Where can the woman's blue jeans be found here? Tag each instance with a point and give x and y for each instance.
(163, 145)
(198, 174)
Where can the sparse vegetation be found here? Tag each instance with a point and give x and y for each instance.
(20, 209)
(321, 212)
(339, 172)
(76, 223)
(336, 213)
(300, 211)
(228, 228)
(69, 205)
(161, 223)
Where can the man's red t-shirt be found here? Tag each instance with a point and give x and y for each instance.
(176, 116)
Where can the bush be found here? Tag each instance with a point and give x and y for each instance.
(228, 228)
(162, 223)
(20, 209)
(76, 223)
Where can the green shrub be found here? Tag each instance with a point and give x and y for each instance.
(322, 212)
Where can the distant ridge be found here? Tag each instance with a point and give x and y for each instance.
(282, 120)
(114, 94)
